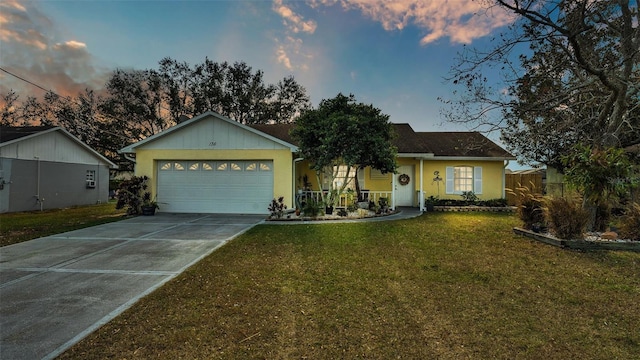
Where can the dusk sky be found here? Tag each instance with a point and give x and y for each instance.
(392, 54)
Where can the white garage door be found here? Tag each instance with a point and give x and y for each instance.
(238, 187)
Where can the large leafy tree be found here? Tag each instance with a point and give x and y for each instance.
(576, 79)
(234, 90)
(343, 132)
(139, 103)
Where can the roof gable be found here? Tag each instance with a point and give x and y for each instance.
(210, 130)
(47, 143)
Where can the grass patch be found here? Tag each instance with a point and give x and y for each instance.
(444, 285)
(23, 226)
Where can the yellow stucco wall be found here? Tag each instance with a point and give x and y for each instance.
(146, 164)
(492, 177)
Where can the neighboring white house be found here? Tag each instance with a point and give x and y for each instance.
(45, 167)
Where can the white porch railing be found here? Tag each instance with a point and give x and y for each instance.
(344, 199)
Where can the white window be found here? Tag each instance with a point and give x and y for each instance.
(341, 172)
(463, 178)
(91, 179)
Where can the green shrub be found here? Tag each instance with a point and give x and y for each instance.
(529, 206)
(277, 208)
(500, 202)
(566, 217)
(311, 208)
(132, 194)
(630, 224)
(469, 197)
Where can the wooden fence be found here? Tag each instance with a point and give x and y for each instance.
(514, 181)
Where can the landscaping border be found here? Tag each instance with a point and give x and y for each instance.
(579, 244)
(474, 208)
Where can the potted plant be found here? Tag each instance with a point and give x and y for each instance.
(148, 206)
(328, 210)
(430, 202)
(384, 204)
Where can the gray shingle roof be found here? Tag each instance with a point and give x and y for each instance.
(454, 144)
(9, 133)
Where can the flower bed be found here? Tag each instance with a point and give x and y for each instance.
(593, 241)
(475, 208)
(360, 214)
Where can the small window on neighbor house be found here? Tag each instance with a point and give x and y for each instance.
(207, 167)
(236, 167)
(222, 166)
(91, 179)
(165, 166)
(194, 166)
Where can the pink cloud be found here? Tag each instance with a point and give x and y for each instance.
(32, 49)
(293, 21)
(462, 21)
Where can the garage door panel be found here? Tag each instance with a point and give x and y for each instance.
(228, 187)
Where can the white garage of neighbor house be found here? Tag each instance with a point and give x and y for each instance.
(45, 167)
(212, 164)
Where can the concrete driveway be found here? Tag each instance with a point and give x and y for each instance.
(56, 290)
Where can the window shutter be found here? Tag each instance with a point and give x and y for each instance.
(361, 178)
(449, 180)
(477, 179)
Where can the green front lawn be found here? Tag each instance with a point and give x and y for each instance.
(441, 286)
(23, 226)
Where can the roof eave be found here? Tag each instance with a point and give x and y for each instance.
(474, 158)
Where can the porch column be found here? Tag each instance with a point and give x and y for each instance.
(421, 196)
(393, 191)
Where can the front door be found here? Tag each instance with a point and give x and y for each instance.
(405, 185)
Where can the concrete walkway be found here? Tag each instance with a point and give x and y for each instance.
(56, 290)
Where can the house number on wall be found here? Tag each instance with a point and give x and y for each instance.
(212, 144)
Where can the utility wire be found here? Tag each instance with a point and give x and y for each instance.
(25, 80)
(64, 98)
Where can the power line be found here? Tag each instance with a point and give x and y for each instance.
(68, 99)
(27, 81)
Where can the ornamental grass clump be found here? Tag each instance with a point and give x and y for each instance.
(566, 217)
(529, 205)
(630, 223)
